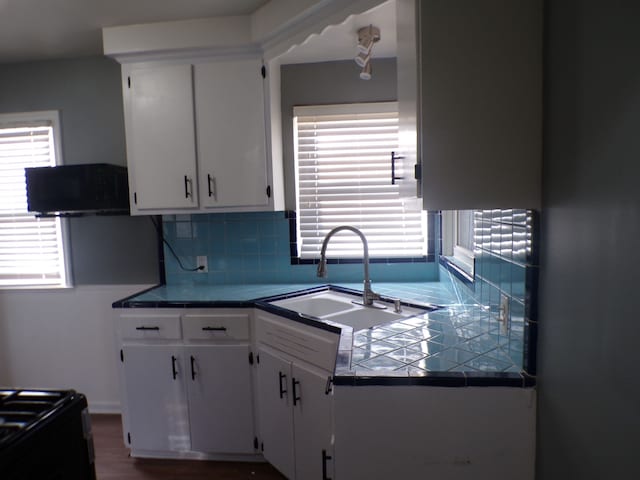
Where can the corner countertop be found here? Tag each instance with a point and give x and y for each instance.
(454, 346)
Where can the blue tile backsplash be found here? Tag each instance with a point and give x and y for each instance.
(252, 248)
(506, 263)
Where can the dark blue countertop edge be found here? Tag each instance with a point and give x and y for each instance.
(442, 379)
(436, 379)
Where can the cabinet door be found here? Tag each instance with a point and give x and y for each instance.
(481, 103)
(276, 419)
(231, 133)
(161, 137)
(155, 396)
(313, 422)
(220, 398)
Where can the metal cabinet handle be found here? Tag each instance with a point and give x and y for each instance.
(295, 382)
(188, 187)
(282, 390)
(147, 328)
(211, 183)
(173, 367)
(394, 157)
(327, 387)
(193, 370)
(214, 329)
(325, 457)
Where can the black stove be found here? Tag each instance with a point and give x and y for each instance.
(45, 435)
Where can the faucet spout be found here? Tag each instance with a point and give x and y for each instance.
(368, 296)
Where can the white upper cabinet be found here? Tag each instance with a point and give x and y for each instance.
(231, 134)
(480, 103)
(161, 137)
(196, 138)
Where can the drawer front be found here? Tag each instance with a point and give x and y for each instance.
(216, 326)
(149, 326)
(312, 345)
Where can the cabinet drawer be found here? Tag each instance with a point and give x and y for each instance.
(149, 327)
(312, 345)
(216, 327)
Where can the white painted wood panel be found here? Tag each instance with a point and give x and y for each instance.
(161, 137)
(220, 398)
(231, 138)
(481, 103)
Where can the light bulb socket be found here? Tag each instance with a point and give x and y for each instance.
(365, 74)
(362, 59)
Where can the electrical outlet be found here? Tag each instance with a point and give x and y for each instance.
(503, 313)
(201, 261)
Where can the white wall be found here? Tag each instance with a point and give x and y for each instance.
(63, 339)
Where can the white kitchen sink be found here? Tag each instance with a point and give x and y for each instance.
(344, 309)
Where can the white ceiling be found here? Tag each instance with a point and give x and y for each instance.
(47, 29)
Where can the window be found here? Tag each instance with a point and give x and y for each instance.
(458, 233)
(343, 177)
(32, 249)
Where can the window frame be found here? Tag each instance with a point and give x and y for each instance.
(454, 255)
(36, 118)
(428, 219)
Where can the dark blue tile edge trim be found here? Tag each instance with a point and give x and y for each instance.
(442, 379)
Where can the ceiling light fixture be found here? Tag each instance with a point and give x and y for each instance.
(367, 36)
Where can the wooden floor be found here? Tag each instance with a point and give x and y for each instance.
(113, 461)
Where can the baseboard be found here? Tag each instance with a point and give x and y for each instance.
(105, 407)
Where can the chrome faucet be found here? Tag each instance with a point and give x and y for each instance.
(368, 296)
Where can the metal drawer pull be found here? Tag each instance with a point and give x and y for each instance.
(282, 390)
(325, 457)
(214, 329)
(193, 370)
(147, 328)
(295, 382)
(173, 367)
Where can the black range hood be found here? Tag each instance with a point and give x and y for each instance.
(75, 190)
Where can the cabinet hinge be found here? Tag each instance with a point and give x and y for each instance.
(258, 358)
(255, 443)
(129, 82)
(263, 71)
(129, 437)
(250, 358)
(262, 447)
(269, 191)
(121, 356)
(417, 171)
(135, 197)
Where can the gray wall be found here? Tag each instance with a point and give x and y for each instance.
(88, 94)
(589, 402)
(325, 84)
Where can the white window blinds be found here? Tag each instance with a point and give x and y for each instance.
(31, 249)
(343, 177)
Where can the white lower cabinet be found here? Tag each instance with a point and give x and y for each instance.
(294, 368)
(187, 384)
(156, 401)
(295, 415)
(220, 398)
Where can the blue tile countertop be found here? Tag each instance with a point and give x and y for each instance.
(456, 345)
